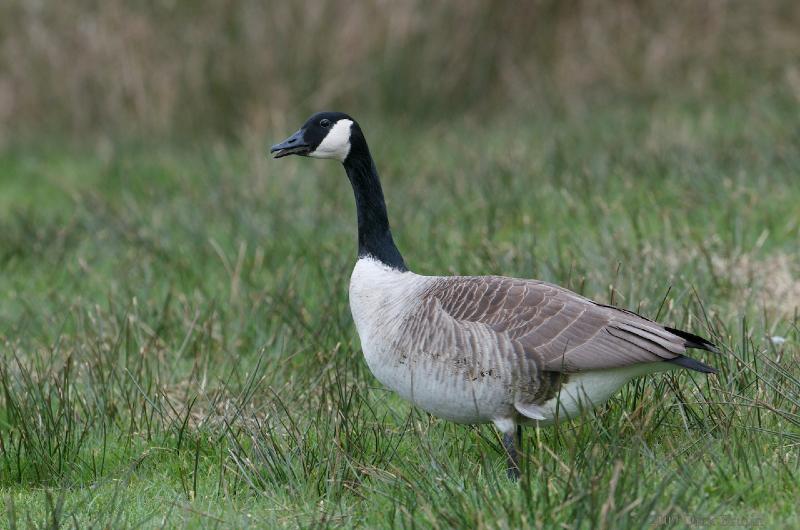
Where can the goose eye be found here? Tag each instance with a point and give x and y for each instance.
(325, 123)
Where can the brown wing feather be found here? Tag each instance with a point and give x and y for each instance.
(560, 330)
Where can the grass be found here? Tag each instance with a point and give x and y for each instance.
(176, 345)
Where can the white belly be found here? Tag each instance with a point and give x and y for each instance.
(439, 389)
(477, 399)
(587, 390)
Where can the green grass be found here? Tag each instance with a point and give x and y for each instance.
(177, 350)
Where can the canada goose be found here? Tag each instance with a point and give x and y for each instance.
(480, 349)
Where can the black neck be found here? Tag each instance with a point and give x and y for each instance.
(374, 236)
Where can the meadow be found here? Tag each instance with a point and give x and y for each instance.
(176, 348)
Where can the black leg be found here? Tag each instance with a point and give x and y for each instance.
(511, 453)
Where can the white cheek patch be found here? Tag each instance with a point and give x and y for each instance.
(337, 143)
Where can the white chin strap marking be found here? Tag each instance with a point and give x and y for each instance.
(337, 143)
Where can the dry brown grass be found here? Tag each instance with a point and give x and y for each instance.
(770, 282)
(773, 282)
(228, 66)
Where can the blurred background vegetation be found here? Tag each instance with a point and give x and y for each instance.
(236, 67)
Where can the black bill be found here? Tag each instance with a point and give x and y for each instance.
(294, 145)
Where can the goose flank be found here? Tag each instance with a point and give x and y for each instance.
(481, 349)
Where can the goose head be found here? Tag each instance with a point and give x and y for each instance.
(323, 135)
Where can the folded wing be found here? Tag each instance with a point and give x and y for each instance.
(559, 330)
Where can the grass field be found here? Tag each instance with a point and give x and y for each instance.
(176, 346)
